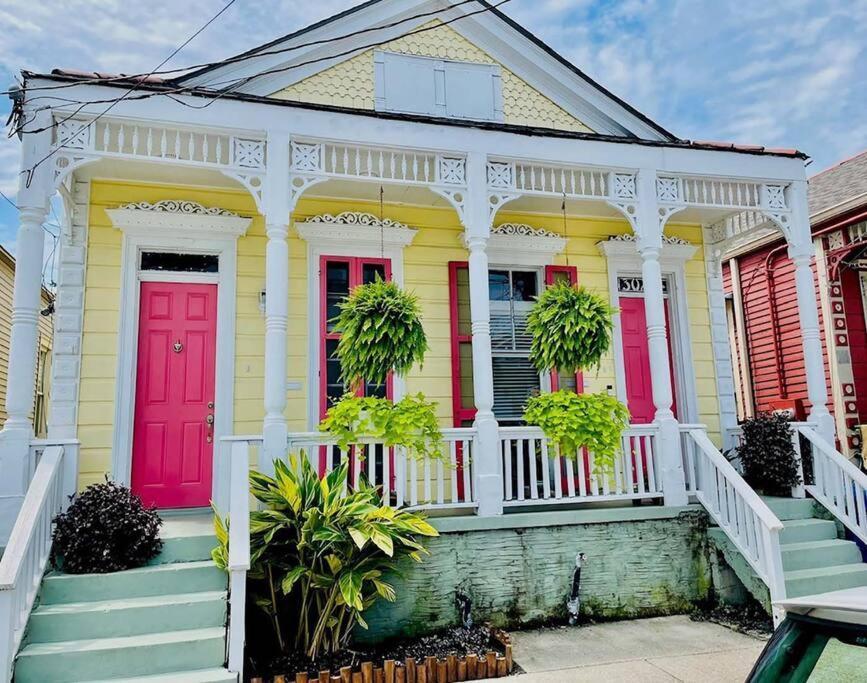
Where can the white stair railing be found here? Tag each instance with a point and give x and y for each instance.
(27, 552)
(239, 548)
(838, 484)
(739, 511)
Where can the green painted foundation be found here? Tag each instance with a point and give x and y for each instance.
(517, 569)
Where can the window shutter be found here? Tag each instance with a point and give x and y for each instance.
(553, 275)
(463, 406)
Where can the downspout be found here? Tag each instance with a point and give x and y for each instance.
(573, 604)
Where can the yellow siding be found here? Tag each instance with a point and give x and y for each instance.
(425, 271)
(351, 83)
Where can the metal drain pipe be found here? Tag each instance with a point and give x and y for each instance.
(465, 606)
(573, 604)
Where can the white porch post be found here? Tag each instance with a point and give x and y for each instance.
(26, 302)
(477, 224)
(277, 211)
(802, 251)
(649, 227)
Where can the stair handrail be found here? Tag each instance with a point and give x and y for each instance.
(838, 485)
(239, 552)
(742, 515)
(27, 553)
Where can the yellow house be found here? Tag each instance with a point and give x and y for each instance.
(215, 220)
(43, 358)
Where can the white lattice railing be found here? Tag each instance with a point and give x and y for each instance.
(26, 555)
(535, 472)
(405, 481)
(739, 511)
(837, 484)
(111, 138)
(535, 178)
(343, 160)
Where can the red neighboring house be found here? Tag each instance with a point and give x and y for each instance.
(763, 311)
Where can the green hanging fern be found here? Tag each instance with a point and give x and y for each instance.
(381, 331)
(410, 423)
(571, 329)
(575, 421)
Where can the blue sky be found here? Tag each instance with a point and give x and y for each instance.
(790, 73)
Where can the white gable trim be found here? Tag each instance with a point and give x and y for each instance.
(578, 96)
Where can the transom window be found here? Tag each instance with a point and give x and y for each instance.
(179, 263)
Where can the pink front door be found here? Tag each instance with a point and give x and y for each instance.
(636, 359)
(172, 452)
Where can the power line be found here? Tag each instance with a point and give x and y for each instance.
(248, 55)
(129, 92)
(233, 84)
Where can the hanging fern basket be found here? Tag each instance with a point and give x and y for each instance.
(381, 331)
(570, 328)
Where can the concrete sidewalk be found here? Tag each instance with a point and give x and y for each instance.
(648, 650)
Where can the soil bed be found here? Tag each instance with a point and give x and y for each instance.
(750, 618)
(456, 641)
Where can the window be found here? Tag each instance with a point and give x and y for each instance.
(421, 85)
(339, 275)
(179, 263)
(512, 294)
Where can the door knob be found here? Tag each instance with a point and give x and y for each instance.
(210, 419)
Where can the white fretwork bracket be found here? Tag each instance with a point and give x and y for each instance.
(298, 184)
(457, 197)
(497, 200)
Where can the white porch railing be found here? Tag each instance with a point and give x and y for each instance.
(237, 450)
(837, 483)
(26, 555)
(739, 511)
(533, 474)
(429, 484)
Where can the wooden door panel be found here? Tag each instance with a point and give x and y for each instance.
(172, 458)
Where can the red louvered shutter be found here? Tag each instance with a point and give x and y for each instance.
(553, 275)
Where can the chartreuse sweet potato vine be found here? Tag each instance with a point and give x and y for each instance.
(571, 329)
(410, 423)
(575, 421)
(381, 331)
(320, 553)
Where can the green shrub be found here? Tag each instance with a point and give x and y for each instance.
(381, 331)
(574, 421)
(410, 423)
(767, 455)
(571, 329)
(318, 555)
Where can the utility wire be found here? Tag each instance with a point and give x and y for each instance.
(248, 55)
(233, 84)
(129, 92)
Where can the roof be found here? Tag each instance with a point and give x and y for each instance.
(492, 10)
(144, 85)
(839, 185)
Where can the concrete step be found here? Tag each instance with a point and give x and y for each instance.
(199, 676)
(825, 579)
(803, 530)
(126, 617)
(186, 538)
(790, 508)
(816, 554)
(129, 656)
(161, 579)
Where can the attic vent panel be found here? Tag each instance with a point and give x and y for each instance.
(420, 85)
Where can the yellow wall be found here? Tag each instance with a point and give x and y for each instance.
(425, 272)
(351, 83)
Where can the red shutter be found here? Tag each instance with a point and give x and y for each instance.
(461, 340)
(555, 274)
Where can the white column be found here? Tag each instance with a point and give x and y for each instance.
(26, 303)
(477, 224)
(277, 210)
(649, 227)
(801, 251)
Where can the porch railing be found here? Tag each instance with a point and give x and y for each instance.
(26, 555)
(444, 483)
(739, 511)
(837, 484)
(536, 472)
